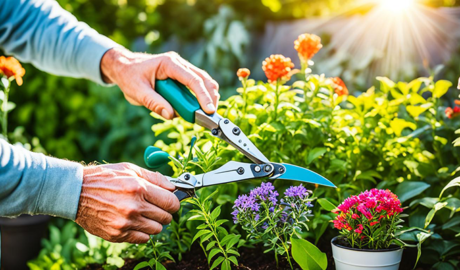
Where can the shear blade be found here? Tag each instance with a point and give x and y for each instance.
(296, 173)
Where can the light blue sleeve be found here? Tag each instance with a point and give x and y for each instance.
(44, 34)
(32, 183)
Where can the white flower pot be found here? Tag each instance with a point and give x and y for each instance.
(347, 258)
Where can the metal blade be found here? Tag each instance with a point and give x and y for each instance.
(296, 173)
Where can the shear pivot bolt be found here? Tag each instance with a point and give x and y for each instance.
(281, 169)
(240, 170)
(187, 177)
(268, 168)
(226, 121)
(257, 169)
(215, 132)
(236, 131)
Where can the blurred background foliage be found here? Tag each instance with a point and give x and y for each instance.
(79, 120)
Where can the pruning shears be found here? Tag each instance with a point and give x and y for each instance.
(187, 106)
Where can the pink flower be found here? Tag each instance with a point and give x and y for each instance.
(359, 229)
(354, 216)
(374, 222)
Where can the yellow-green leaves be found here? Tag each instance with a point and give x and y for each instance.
(307, 255)
(440, 88)
(398, 125)
(453, 183)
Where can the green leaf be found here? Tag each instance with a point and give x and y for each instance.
(421, 237)
(433, 211)
(200, 233)
(227, 238)
(141, 265)
(211, 245)
(307, 255)
(326, 205)
(415, 111)
(215, 214)
(213, 253)
(226, 265)
(232, 251)
(398, 125)
(196, 217)
(410, 189)
(216, 262)
(315, 153)
(454, 183)
(440, 88)
(233, 260)
(233, 241)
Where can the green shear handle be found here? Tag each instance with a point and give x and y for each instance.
(180, 98)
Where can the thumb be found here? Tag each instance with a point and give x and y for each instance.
(156, 103)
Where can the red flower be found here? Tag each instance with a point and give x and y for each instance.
(339, 86)
(277, 67)
(354, 216)
(307, 45)
(374, 222)
(451, 113)
(11, 67)
(359, 229)
(243, 73)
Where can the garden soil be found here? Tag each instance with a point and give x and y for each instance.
(253, 259)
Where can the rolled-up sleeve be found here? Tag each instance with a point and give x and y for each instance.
(32, 183)
(44, 34)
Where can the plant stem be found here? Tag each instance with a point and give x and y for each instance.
(277, 98)
(244, 97)
(214, 231)
(5, 114)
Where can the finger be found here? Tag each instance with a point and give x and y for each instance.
(162, 198)
(156, 179)
(155, 213)
(177, 71)
(147, 226)
(211, 85)
(136, 237)
(154, 102)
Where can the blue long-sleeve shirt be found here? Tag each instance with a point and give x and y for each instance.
(42, 33)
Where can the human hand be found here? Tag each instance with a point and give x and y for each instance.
(125, 203)
(135, 74)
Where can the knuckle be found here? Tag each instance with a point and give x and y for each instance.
(150, 104)
(130, 212)
(133, 188)
(118, 226)
(172, 204)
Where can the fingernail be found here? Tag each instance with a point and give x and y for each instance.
(211, 107)
(165, 114)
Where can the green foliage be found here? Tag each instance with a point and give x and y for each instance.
(213, 235)
(159, 254)
(180, 237)
(69, 247)
(380, 138)
(307, 255)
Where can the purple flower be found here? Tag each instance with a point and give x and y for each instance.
(265, 192)
(235, 216)
(283, 217)
(271, 209)
(296, 191)
(257, 217)
(265, 226)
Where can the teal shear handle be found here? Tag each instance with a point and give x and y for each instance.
(180, 98)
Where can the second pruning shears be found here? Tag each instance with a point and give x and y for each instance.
(187, 106)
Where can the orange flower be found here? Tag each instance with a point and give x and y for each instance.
(457, 102)
(11, 67)
(277, 67)
(307, 45)
(339, 86)
(243, 73)
(450, 113)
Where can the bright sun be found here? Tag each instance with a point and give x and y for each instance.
(397, 5)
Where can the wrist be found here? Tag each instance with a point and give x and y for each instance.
(111, 63)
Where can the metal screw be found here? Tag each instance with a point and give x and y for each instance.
(257, 169)
(244, 144)
(187, 177)
(215, 132)
(226, 121)
(267, 168)
(240, 141)
(236, 131)
(282, 169)
(240, 170)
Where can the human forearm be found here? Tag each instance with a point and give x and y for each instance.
(44, 34)
(32, 183)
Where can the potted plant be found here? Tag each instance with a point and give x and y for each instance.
(368, 225)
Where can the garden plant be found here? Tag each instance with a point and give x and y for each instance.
(395, 136)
